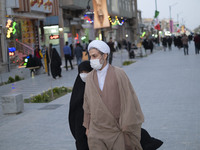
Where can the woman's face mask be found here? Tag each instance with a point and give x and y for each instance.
(83, 76)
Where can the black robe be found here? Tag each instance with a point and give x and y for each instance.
(55, 63)
(149, 143)
(76, 109)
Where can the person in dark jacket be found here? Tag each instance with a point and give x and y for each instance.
(164, 43)
(76, 107)
(76, 114)
(78, 52)
(197, 43)
(68, 55)
(55, 62)
(150, 43)
(112, 50)
(169, 42)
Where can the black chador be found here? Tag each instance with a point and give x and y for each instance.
(76, 109)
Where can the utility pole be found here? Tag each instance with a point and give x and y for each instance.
(158, 38)
(156, 4)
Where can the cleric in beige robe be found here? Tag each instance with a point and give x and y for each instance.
(112, 113)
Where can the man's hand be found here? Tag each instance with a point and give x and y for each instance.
(87, 132)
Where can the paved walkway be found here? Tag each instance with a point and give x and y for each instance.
(167, 85)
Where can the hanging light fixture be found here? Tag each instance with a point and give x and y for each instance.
(116, 21)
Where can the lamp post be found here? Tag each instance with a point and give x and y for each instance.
(178, 15)
(170, 16)
(156, 4)
(88, 5)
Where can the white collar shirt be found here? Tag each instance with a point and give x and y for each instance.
(101, 75)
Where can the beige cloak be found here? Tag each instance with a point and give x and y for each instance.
(105, 131)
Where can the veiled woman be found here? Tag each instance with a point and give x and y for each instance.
(55, 62)
(76, 107)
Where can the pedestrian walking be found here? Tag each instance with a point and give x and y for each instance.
(169, 42)
(128, 46)
(164, 43)
(76, 107)
(37, 52)
(190, 37)
(112, 113)
(78, 52)
(84, 45)
(119, 45)
(68, 55)
(76, 114)
(179, 42)
(116, 45)
(184, 40)
(112, 49)
(150, 43)
(72, 50)
(197, 43)
(175, 41)
(55, 62)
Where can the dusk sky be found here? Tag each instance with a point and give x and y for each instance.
(187, 10)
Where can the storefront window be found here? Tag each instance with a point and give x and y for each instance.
(50, 31)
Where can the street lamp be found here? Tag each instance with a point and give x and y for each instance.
(88, 6)
(170, 15)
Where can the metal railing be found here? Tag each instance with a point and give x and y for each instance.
(24, 48)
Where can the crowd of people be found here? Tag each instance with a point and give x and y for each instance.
(53, 61)
(182, 41)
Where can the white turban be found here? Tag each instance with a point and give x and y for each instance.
(100, 45)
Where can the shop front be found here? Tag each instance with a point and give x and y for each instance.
(25, 30)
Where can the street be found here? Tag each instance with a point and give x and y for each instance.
(167, 85)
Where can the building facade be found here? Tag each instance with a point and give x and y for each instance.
(122, 15)
(25, 24)
(22, 27)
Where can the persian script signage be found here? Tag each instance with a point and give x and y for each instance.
(41, 5)
(52, 37)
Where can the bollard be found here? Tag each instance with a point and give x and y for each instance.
(12, 104)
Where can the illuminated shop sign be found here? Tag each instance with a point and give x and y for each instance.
(42, 5)
(12, 51)
(10, 26)
(52, 37)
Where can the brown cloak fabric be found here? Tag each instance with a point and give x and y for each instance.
(105, 132)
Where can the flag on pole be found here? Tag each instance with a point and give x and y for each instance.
(156, 24)
(156, 21)
(156, 14)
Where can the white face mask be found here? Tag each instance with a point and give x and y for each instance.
(83, 76)
(95, 64)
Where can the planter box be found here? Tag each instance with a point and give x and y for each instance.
(12, 104)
